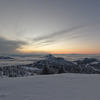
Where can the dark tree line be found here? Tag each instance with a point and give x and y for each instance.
(14, 71)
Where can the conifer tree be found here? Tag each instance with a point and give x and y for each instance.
(46, 69)
(61, 70)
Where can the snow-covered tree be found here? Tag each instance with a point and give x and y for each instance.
(45, 70)
(61, 70)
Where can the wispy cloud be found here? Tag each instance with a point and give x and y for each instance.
(67, 34)
(58, 33)
(78, 32)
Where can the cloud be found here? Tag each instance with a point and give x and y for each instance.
(77, 32)
(9, 46)
(67, 34)
(56, 34)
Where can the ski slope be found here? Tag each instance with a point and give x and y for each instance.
(66, 86)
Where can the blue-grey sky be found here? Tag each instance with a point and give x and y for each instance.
(52, 26)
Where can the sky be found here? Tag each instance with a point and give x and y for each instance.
(50, 26)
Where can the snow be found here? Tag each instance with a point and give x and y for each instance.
(31, 68)
(95, 62)
(95, 69)
(51, 87)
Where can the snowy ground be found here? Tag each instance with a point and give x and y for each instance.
(51, 87)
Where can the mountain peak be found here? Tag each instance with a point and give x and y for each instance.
(49, 56)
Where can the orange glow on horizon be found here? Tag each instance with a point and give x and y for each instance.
(61, 52)
(75, 51)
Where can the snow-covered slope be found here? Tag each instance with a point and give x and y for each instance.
(51, 87)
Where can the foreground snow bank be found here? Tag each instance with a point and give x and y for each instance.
(51, 87)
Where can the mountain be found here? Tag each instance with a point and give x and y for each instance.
(84, 66)
(49, 56)
(2, 57)
(54, 62)
(86, 61)
(52, 65)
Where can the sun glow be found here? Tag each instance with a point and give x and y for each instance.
(59, 51)
(60, 48)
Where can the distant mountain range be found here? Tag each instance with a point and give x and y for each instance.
(52, 65)
(87, 65)
(3, 57)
